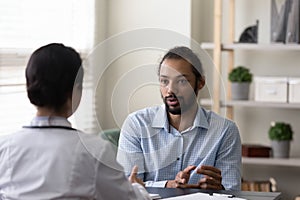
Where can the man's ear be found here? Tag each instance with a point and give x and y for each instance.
(201, 83)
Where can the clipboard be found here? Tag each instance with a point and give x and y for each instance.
(205, 196)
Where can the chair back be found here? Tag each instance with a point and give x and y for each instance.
(111, 135)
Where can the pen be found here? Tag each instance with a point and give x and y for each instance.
(223, 195)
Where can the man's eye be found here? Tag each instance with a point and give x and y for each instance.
(182, 81)
(164, 82)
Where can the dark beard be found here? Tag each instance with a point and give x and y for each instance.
(174, 111)
(182, 108)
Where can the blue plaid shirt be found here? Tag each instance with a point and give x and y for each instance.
(160, 151)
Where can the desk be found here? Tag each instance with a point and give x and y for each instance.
(172, 192)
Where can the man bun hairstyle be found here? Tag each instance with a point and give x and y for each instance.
(51, 73)
(182, 52)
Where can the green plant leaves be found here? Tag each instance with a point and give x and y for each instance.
(280, 131)
(240, 74)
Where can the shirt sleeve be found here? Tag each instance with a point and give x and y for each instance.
(129, 150)
(229, 158)
(140, 191)
(111, 182)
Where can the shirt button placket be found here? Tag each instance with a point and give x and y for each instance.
(180, 154)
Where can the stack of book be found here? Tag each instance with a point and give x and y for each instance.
(259, 186)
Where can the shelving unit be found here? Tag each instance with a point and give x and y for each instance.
(291, 162)
(230, 103)
(224, 52)
(245, 46)
(217, 47)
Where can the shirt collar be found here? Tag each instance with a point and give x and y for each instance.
(161, 120)
(50, 121)
(201, 119)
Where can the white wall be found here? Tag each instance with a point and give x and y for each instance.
(165, 14)
(138, 33)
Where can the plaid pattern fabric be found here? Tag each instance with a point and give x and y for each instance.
(160, 151)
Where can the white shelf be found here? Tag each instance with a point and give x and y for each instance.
(288, 162)
(251, 46)
(261, 104)
(208, 102)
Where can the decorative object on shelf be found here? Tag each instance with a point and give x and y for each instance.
(285, 21)
(292, 29)
(270, 89)
(240, 78)
(250, 34)
(273, 184)
(294, 88)
(255, 150)
(297, 198)
(280, 134)
(279, 16)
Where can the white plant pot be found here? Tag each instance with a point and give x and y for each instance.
(240, 91)
(281, 149)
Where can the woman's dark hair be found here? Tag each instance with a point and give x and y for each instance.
(187, 54)
(51, 73)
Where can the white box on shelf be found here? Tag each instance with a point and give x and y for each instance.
(294, 89)
(271, 89)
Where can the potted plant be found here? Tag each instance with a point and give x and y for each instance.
(240, 78)
(280, 134)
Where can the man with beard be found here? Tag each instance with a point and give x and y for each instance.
(180, 144)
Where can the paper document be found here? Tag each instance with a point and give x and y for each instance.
(154, 196)
(204, 196)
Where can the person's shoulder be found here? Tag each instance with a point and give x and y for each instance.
(5, 140)
(95, 145)
(91, 139)
(12, 135)
(222, 124)
(214, 117)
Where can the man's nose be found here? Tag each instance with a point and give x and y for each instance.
(172, 88)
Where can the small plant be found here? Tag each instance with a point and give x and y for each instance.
(240, 74)
(280, 131)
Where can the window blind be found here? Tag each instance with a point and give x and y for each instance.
(25, 26)
(32, 23)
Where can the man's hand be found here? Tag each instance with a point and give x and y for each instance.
(133, 176)
(182, 178)
(212, 178)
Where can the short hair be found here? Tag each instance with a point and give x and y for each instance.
(51, 73)
(182, 52)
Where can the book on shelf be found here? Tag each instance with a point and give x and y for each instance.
(259, 185)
